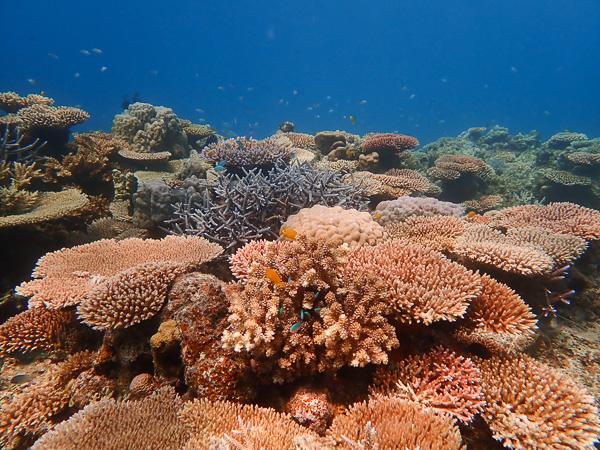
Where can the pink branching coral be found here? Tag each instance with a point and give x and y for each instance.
(532, 406)
(423, 286)
(567, 218)
(440, 379)
(34, 329)
(389, 142)
(397, 424)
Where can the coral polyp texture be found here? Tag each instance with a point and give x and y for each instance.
(11, 102)
(389, 143)
(247, 152)
(297, 315)
(531, 405)
(115, 283)
(55, 117)
(343, 226)
(403, 207)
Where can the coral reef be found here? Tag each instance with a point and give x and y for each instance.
(405, 206)
(151, 129)
(11, 102)
(247, 152)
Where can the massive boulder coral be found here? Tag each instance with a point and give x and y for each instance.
(342, 226)
(115, 283)
(151, 129)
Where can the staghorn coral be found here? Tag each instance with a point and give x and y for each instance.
(565, 217)
(531, 405)
(68, 276)
(437, 233)
(315, 321)
(398, 424)
(244, 152)
(342, 226)
(151, 129)
(34, 329)
(11, 102)
(122, 424)
(224, 424)
(403, 207)
(27, 414)
(440, 380)
(234, 210)
(15, 147)
(48, 206)
(422, 286)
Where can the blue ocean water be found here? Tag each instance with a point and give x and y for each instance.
(420, 67)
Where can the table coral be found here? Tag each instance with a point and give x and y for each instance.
(247, 152)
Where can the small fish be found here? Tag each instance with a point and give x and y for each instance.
(295, 92)
(304, 315)
(567, 130)
(240, 144)
(76, 74)
(317, 294)
(471, 214)
(153, 72)
(240, 98)
(53, 55)
(272, 275)
(353, 120)
(362, 102)
(328, 97)
(280, 101)
(513, 69)
(97, 51)
(376, 216)
(412, 96)
(316, 104)
(103, 69)
(232, 184)
(330, 111)
(221, 88)
(318, 309)
(280, 311)
(220, 168)
(289, 233)
(19, 379)
(296, 327)
(84, 52)
(199, 111)
(441, 121)
(250, 88)
(309, 108)
(42, 93)
(32, 81)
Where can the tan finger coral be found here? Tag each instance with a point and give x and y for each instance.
(532, 406)
(397, 423)
(11, 102)
(342, 226)
(68, 276)
(423, 285)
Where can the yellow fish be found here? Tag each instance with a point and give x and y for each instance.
(272, 275)
(376, 216)
(289, 233)
(353, 120)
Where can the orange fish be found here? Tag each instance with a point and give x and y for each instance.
(272, 275)
(471, 214)
(376, 216)
(289, 233)
(353, 120)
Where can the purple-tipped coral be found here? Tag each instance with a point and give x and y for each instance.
(243, 152)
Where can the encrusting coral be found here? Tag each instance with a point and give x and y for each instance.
(531, 405)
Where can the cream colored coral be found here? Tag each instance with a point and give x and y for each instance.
(344, 226)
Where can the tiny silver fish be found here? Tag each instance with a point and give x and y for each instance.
(32, 81)
(53, 55)
(97, 51)
(103, 69)
(84, 52)
(76, 74)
